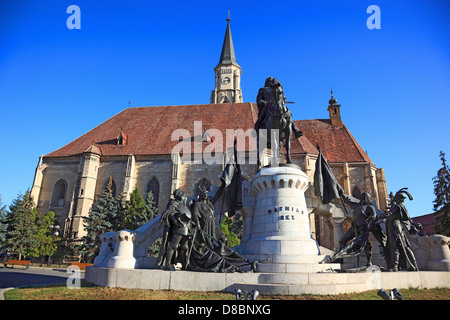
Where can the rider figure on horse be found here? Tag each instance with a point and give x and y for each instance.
(274, 114)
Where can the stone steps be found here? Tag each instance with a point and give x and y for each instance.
(295, 267)
(292, 264)
(294, 289)
(278, 258)
(307, 283)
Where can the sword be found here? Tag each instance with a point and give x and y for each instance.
(190, 249)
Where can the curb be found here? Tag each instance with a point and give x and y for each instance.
(2, 291)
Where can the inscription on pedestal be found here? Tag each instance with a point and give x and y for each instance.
(285, 208)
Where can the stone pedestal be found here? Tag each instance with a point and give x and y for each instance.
(106, 249)
(124, 251)
(280, 229)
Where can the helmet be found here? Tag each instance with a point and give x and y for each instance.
(178, 194)
(401, 195)
(364, 198)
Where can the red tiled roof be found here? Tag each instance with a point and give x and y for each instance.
(149, 132)
(336, 142)
(149, 129)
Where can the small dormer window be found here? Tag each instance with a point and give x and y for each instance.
(122, 139)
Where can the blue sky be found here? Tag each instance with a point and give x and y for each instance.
(393, 83)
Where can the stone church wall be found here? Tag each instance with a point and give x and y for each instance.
(56, 171)
(111, 167)
(159, 168)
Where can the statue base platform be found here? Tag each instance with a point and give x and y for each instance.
(276, 222)
(322, 283)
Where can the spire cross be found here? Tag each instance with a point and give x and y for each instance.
(228, 16)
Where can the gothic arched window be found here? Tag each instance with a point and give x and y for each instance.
(59, 193)
(356, 193)
(153, 186)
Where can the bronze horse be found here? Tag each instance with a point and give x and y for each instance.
(275, 118)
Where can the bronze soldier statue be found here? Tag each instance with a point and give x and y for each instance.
(364, 223)
(176, 219)
(398, 222)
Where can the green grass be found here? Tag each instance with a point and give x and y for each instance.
(92, 292)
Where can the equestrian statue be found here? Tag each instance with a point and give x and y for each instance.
(275, 118)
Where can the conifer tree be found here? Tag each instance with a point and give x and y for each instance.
(3, 224)
(114, 214)
(102, 218)
(21, 226)
(150, 206)
(151, 212)
(391, 199)
(133, 214)
(68, 247)
(441, 204)
(119, 221)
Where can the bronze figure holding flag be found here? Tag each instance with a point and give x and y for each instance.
(364, 221)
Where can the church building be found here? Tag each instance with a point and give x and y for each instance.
(135, 148)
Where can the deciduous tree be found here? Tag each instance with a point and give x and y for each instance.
(46, 235)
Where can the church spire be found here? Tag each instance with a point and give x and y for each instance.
(227, 56)
(227, 88)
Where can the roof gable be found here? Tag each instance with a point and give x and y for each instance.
(336, 142)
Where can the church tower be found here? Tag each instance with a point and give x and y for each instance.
(227, 87)
(334, 111)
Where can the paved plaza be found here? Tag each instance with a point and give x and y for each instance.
(34, 276)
